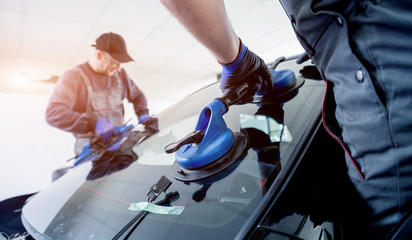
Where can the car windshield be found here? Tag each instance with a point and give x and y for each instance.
(212, 208)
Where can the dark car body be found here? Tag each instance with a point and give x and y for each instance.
(289, 184)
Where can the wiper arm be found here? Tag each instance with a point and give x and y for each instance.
(155, 190)
(169, 198)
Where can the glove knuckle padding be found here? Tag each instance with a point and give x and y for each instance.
(252, 70)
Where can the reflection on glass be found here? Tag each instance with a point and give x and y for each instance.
(277, 132)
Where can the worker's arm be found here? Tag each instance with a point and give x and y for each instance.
(134, 94)
(67, 105)
(208, 22)
(138, 98)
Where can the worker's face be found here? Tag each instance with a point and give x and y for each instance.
(107, 64)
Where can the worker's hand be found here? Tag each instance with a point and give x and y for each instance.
(143, 118)
(249, 68)
(114, 146)
(150, 123)
(105, 130)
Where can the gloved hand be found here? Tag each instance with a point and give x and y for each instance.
(249, 68)
(143, 118)
(104, 129)
(311, 72)
(114, 146)
(150, 123)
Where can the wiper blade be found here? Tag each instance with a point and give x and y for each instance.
(169, 198)
(155, 190)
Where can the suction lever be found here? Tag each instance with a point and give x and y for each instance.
(233, 95)
(193, 137)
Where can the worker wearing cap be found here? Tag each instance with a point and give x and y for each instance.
(88, 99)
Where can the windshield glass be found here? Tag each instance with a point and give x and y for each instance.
(213, 208)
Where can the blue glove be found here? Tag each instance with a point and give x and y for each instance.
(120, 130)
(115, 146)
(150, 123)
(247, 68)
(143, 118)
(105, 130)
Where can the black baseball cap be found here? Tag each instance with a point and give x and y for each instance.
(114, 45)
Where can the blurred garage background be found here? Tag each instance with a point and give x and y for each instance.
(40, 39)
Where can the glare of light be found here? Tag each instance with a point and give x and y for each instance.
(23, 79)
(19, 81)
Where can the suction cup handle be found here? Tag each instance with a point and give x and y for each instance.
(193, 137)
(277, 62)
(233, 95)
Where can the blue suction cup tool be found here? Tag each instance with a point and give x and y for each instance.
(285, 85)
(219, 167)
(217, 140)
(199, 154)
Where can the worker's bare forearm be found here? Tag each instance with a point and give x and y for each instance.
(207, 21)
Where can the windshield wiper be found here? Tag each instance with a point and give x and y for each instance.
(155, 190)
